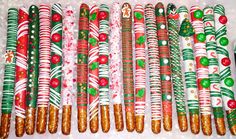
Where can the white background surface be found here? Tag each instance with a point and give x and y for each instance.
(147, 134)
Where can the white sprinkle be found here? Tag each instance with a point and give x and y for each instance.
(161, 10)
(167, 78)
(164, 42)
(163, 26)
(168, 97)
(166, 61)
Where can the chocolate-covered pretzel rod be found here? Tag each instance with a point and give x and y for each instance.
(115, 65)
(104, 67)
(56, 67)
(21, 71)
(82, 68)
(126, 19)
(9, 74)
(216, 99)
(93, 65)
(226, 79)
(140, 70)
(173, 27)
(33, 64)
(44, 68)
(202, 63)
(165, 71)
(186, 32)
(69, 64)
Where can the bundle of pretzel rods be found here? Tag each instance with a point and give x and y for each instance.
(42, 58)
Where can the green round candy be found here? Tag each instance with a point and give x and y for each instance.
(224, 41)
(198, 14)
(229, 82)
(201, 37)
(205, 83)
(204, 61)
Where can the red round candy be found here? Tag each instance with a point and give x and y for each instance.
(103, 59)
(223, 19)
(225, 61)
(232, 104)
(56, 17)
(55, 59)
(56, 37)
(102, 15)
(54, 82)
(102, 37)
(103, 82)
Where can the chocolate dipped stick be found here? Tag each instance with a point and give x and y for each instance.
(202, 71)
(33, 64)
(186, 38)
(165, 70)
(93, 65)
(140, 70)
(173, 28)
(226, 79)
(154, 67)
(82, 67)
(21, 71)
(9, 74)
(216, 99)
(104, 67)
(55, 67)
(127, 58)
(115, 65)
(44, 68)
(69, 53)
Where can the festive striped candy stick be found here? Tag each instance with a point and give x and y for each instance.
(44, 68)
(82, 70)
(56, 67)
(216, 99)
(126, 19)
(202, 62)
(9, 75)
(154, 67)
(93, 65)
(21, 71)
(140, 70)
(33, 64)
(173, 28)
(186, 32)
(69, 54)
(104, 67)
(226, 80)
(115, 65)
(165, 71)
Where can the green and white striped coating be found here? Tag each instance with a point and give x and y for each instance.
(174, 44)
(209, 28)
(225, 71)
(189, 65)
(104, 51)
(10, 62)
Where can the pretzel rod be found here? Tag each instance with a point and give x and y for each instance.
(55, 67)
(93, 68)
(154, 68)
(127, 57)
(21, 71)
(33, 62)
(173, 28)
(9, 74)
(202, 62)
(140, 70)
(186, 32)
(165, 71)
(115, 65)
(82, 70)
(44, 68)
(216, 100)
(226, 79)
(69, 54)
(104, 67)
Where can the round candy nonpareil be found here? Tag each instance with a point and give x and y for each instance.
(198, 14)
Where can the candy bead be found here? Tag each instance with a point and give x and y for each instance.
(232, 104)
(226, 61)
(198, 14)
(223, 19)
(229, 82)
(201, 37)
(54, 82)
(204, 61)
(224, 41)
(56, 37)
(56, 17)
(205, 83)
